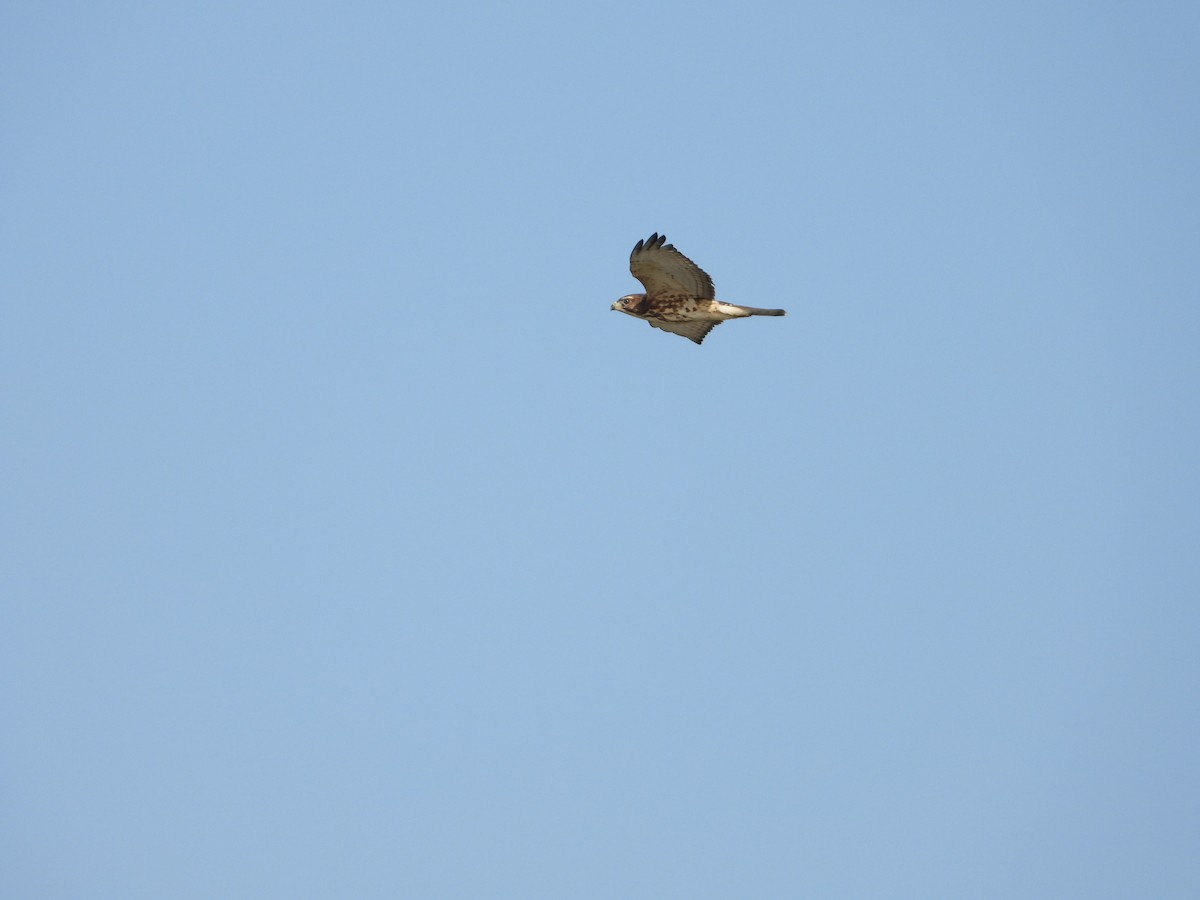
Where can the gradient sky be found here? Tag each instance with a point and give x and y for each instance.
(353, 547)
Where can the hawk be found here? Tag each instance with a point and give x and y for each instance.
(679, 294)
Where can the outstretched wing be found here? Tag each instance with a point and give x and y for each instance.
(664, 270)
(695, 330)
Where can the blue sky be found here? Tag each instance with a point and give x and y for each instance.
(355, 548)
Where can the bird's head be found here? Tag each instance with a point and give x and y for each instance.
(629, 303)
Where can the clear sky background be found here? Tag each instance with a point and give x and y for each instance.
(353, 547)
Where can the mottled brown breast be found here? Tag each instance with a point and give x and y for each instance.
(671, 306)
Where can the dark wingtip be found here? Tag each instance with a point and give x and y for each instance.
(654, 242)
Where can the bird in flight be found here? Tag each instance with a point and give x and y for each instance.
(679, 294)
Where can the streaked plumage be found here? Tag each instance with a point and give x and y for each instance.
(679, 294)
